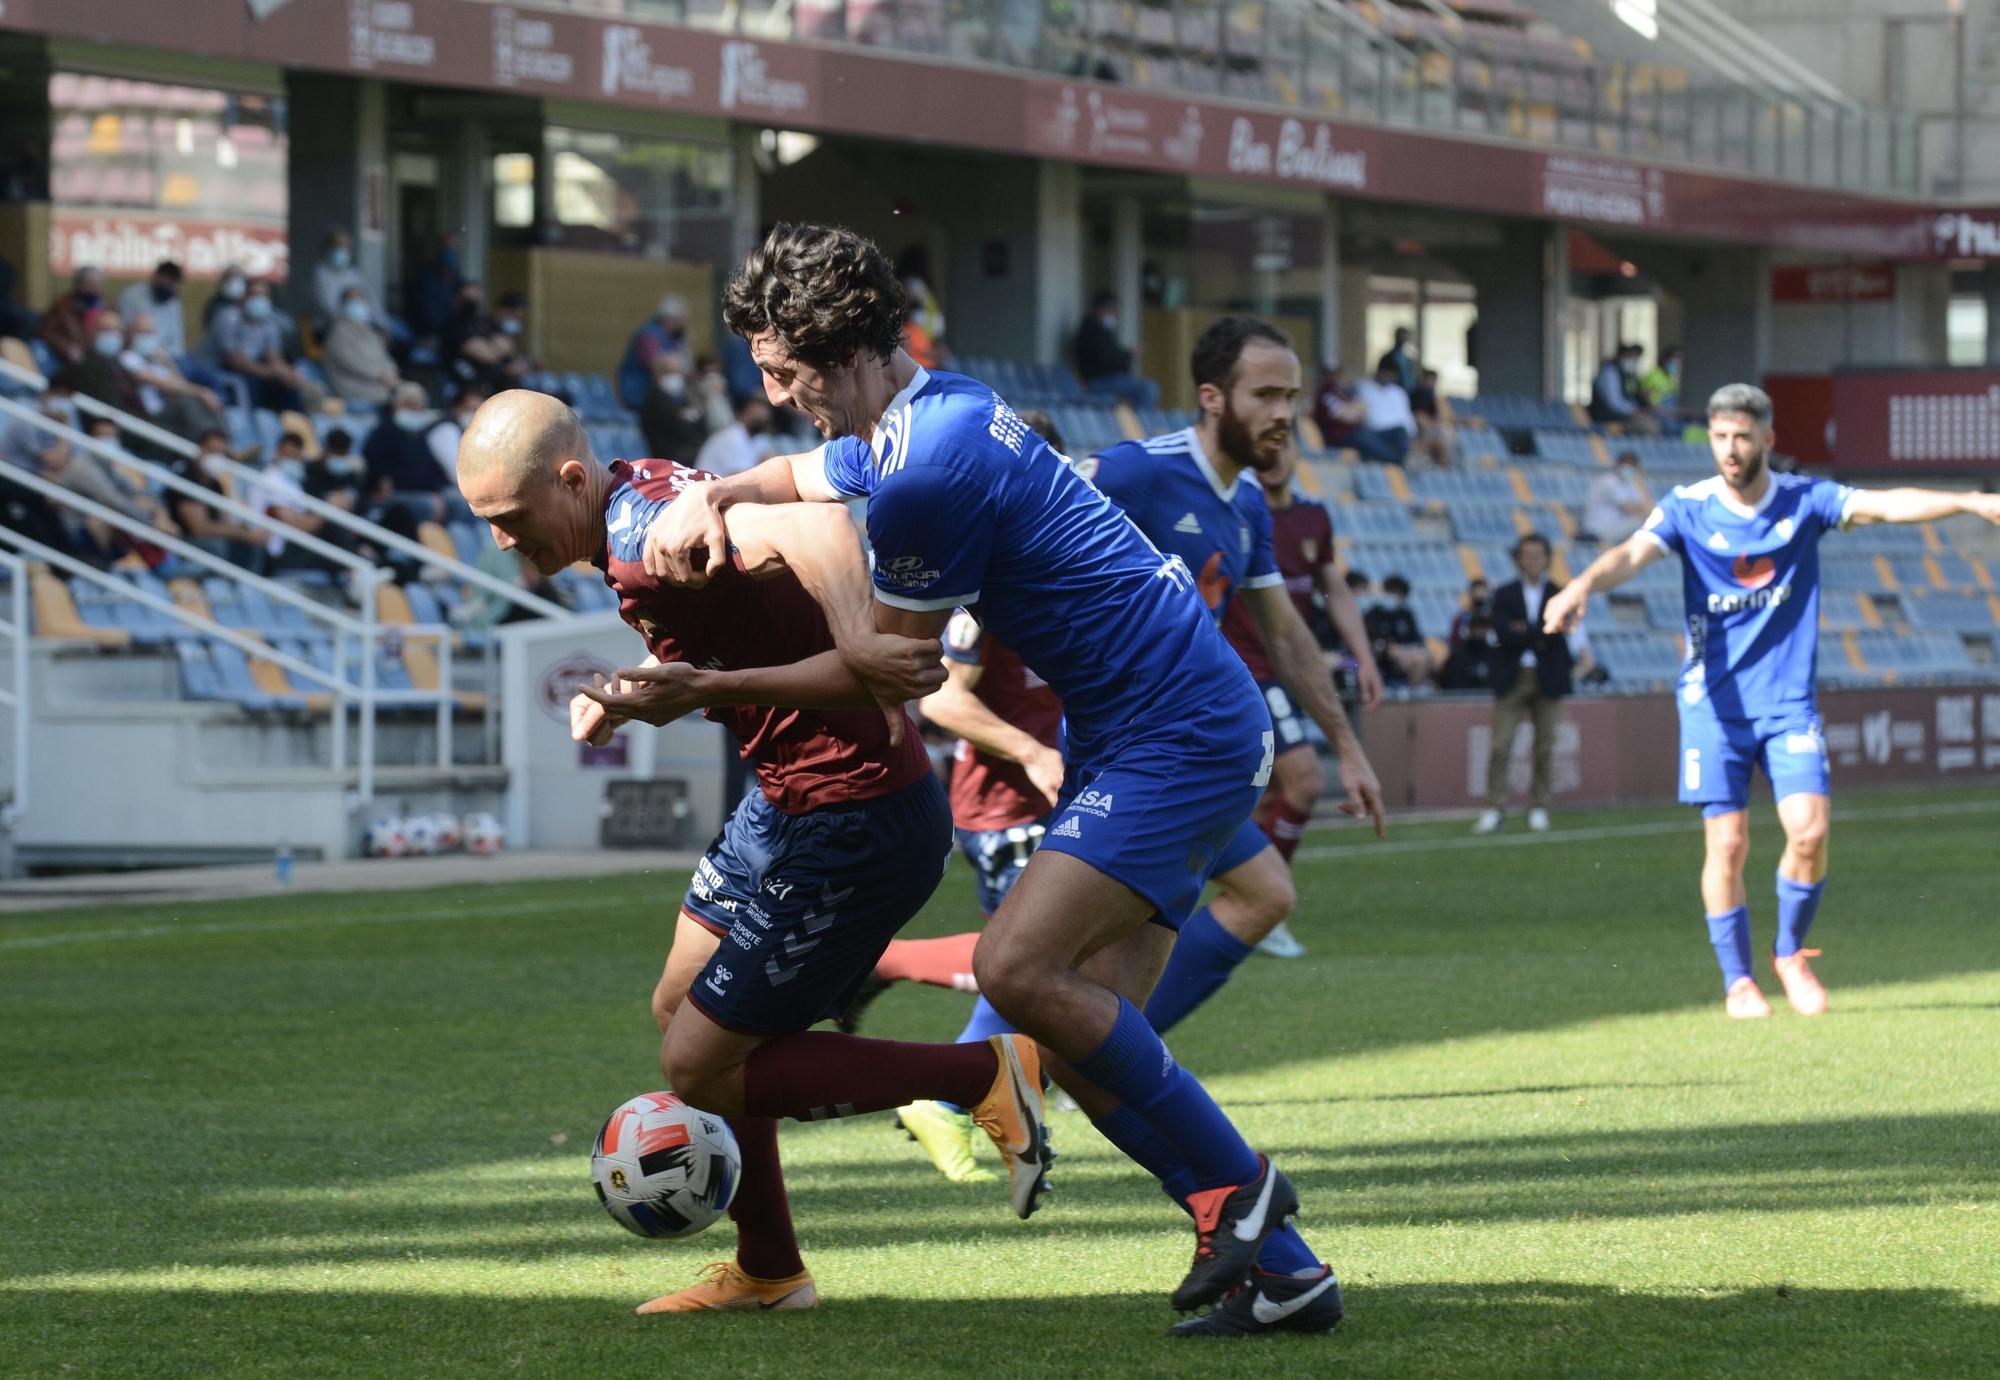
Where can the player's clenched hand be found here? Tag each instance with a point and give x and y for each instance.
(1563, 610)
(896, 669)
(1045, 773)
(589, 721)
(1364, 793)
(688, 543)
(650, 694)
(1986, 505)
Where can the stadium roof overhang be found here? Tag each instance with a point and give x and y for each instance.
(847, 90)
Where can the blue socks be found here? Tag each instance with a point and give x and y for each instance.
(983, 1021)
(1798, 903)
(1730, 934)
(1285, 1251)
(1204, 956)
(1133, 1065)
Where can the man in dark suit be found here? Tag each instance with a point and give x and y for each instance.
(1531, 675)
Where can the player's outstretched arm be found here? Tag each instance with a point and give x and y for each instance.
(1563, 610)
(661, 693)
(954, 708)
(1295, 657)
(1919, 505)
(693, 522)
(1345, 614)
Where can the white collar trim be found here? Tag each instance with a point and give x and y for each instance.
(1225, 492)
(877, 438)
(1717, 488)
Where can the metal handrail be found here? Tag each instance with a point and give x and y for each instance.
(375, 533)
(18, 698)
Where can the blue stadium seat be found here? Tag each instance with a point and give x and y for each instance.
(469, 541)
(1951, 612)
(1889, 538)
(1558, 484)
(1638, 658)
(1372, 481)
(1476, 444)
(1957, 571)
(1374, 522)
(1426, 565)
(1450, 485)
(1565, 447)
(1843, 570)
(1666, 609)
(1477, 521)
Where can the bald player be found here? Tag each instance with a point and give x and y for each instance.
(811, 876)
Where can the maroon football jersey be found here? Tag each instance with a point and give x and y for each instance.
(1302, 539)
(805, 759)
(989, 792)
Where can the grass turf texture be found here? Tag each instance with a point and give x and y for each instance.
(347, 1135)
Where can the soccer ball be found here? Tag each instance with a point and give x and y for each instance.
(483, 833)
(665, 1169)
(420, 831)
(450, 837)
(385, 838)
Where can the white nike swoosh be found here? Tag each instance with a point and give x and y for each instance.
(1249, 1228)
(1267, 1312)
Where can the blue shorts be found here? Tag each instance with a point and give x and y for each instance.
(997, 857)
(1286, 721)
(1160, 814)
(1718, 757)
(805, 904)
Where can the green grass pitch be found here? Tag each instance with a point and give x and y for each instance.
(348, 1135)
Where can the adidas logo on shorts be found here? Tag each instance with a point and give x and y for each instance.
(1068, 829)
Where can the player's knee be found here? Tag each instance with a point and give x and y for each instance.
(666, 1000)
(1271, 902)
(1807, 839)
(1008, 975)
(1301, 779)
(687, 1076)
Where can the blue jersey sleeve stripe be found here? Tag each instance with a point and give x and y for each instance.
(1654, 537)
(1847, 498)
(904, 601)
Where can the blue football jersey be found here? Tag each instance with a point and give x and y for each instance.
(1169, 487)
(1751, 581)
(968, 506)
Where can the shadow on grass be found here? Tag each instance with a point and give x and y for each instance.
(1463, 1331)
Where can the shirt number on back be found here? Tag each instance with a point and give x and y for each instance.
(1263, 776)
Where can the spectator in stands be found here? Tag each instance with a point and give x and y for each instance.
(741, 445)
(445, 434)
(1661, 388)
(923, 328)
(1470, 665)
(403, 476)
(1387, 425)
(335, 276)
(165, 394)
(249, 342)
(279, 494)
(1104, 363)
(1400, 359)
(711, 385)
(1618, 501)
(1531, 677)
(354, 354)
(98, 374)
(159, 297)
(230, 290)
(110, 479)
(335, 477)
(1615, 397)
(1424, 397)
(433, 289)
(1433, 437)
(67, 325)
(665, 332)
(484, 349)
(673, 417)
(205, 526)
(1395, 638)
(1335, 412)
(746, 380)
(1478, 605)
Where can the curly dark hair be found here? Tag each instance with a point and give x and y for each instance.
(1218, 349)
(827, 292)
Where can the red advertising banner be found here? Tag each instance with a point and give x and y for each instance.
(1802, 405)
(475, 44)
(1834, 283)
(128, 245)
(1916, 419)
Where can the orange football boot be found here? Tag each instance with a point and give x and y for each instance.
(1802, 989)
(726, 1289)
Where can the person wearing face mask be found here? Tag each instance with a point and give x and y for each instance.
(402, 475)
(1395, 638)
(1388, 426)
(249, 342)
(673, 416)
(159, 297)
(354, 355)
(1104, 362)
(742, 444)
(1615, 395)
(98, 374)
(207, 527)
(230, 290)
(278, 494)
(66, 326)
(487, 350)
(665, 332)
(1661, 387)
(165, 394)
(336, 276)
(1618, 501)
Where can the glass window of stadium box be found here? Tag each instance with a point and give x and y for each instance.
(141, 171)
(595, 224)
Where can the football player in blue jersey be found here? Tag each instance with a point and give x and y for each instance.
(1167, 742)
(1189, 492)
(1748, 540)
